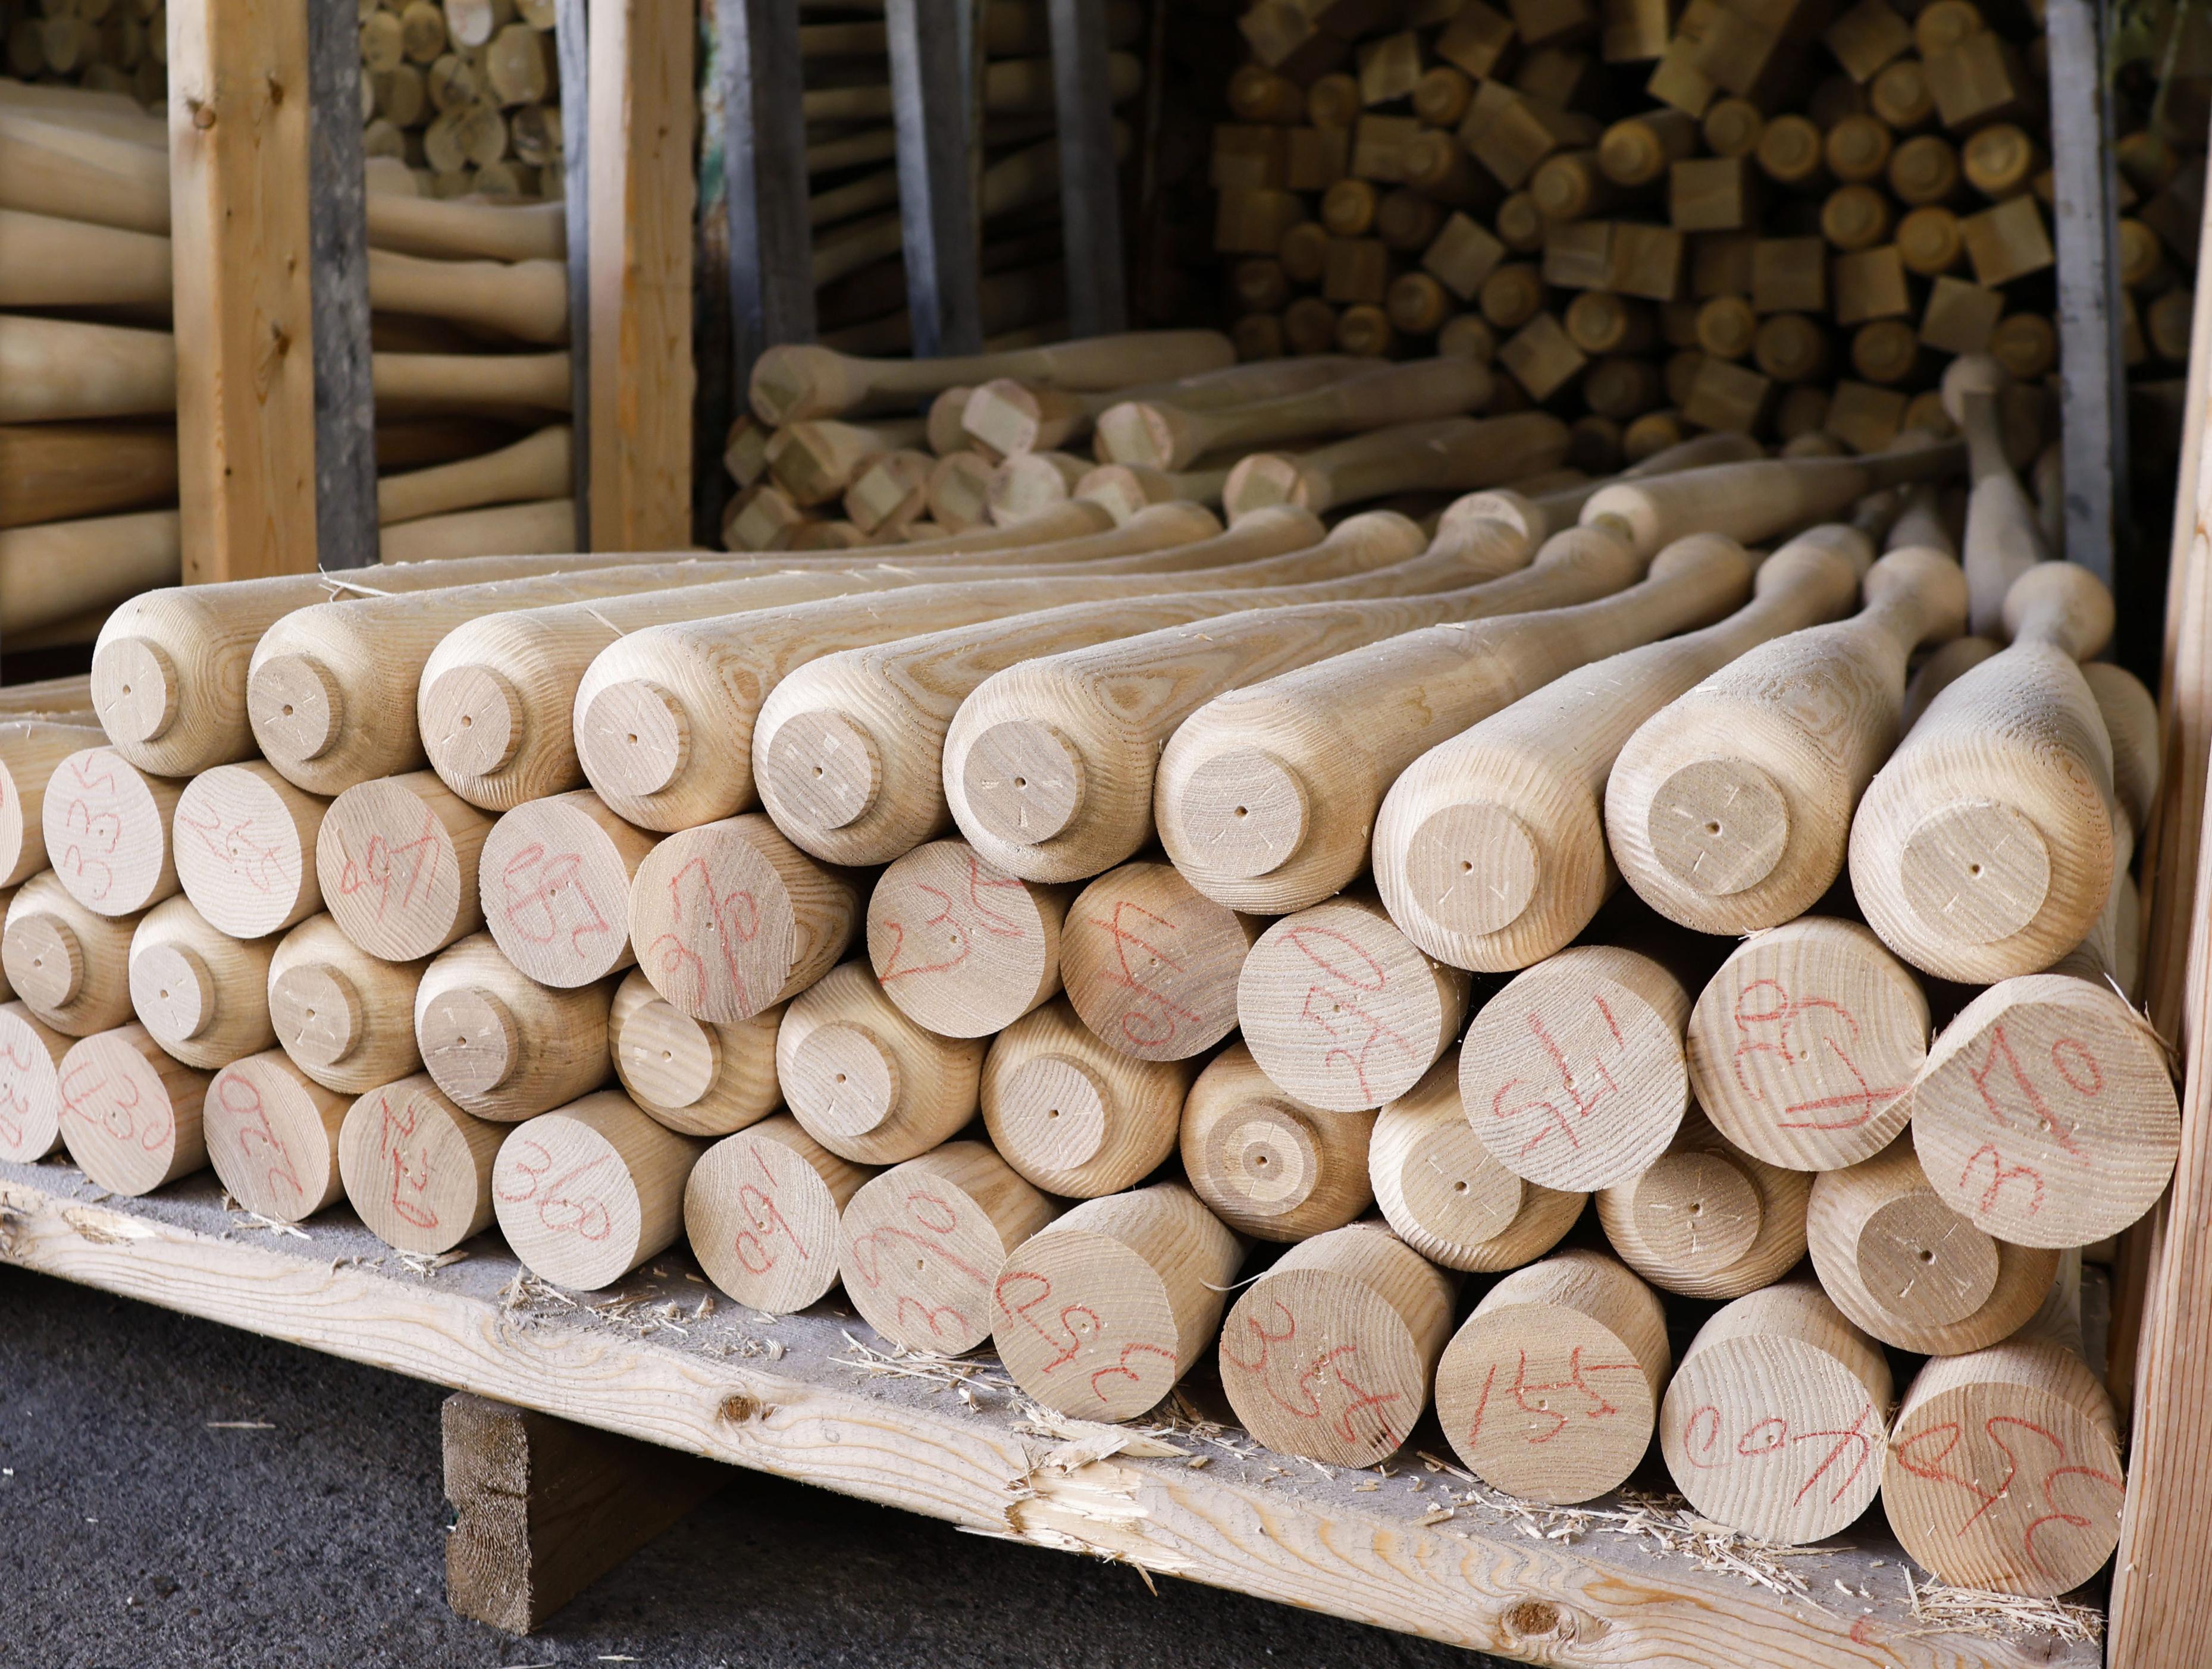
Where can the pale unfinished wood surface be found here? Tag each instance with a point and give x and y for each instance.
(30, 1085)
(1243, 1522)
(108, 831)
(1075, 1116)
(867, 1082)
(346, 1016)
(1266, 1163)
(245, 844)
(961, 946)
(587, 1192)
(272, 1136)
(397, 859)
(132, 1113)
(203, 994)
(415, 1168)
(761, 1211)
(70, 965)
(554, 879)
(1755, 500)
(696, 1077)
(30, 749)
(1705, 1218)
(501, 1045)
(1150, 963)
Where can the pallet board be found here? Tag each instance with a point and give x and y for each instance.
(796, 1396)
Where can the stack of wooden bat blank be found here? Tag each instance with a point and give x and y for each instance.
(467, 97)
(472, 380)
(1104, 941)
(104, 46)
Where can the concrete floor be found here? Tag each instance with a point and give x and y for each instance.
(142, 1529)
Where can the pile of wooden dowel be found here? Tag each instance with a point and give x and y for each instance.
(470, 314)
(105, 45)
(1779, 222)
(1104, 939)
(467, 96)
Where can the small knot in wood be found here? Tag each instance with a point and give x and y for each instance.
(737, 1408)
(276, 92)
(1534, 1618)
(203, 114)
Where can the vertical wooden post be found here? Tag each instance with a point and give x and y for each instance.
(337, 210)
(571, 46)
(642, 114)
(239, 93)
(1091, 183)
(933, 98)
(764, 163)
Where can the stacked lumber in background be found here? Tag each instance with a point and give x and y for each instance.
(1656, 222)
(1150, 949)
(852, 171)
(468, 97)
(104, 46)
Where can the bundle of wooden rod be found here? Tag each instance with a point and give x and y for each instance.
(471, 381)
(467, 97)
(1779, 224)
(851, 152)
(104, 46)
(1065, 936)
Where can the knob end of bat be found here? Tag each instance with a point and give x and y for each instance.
(843, 1080)
(1024, 780)
(1718, 826)
(43, 961)
(469, 1040)
(317, 1014)
(821, 767)
(296, 708)
(634, 737)
(134, 690)
(1244, 814)
(1975, 872)
(1474, 868)
(473, 722)
(172, 992)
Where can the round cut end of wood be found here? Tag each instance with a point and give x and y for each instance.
(1473, 869)
(1244, 813)
(469, 1041)
(296, 708)
(473, 722)
(820, 769)
(1923, 1263)
(240, 857)
(633, 737)
(1004, 415)
(919, 1259)
(121, 1125)
(762, 1222)
(1545, 1402)
(1260, 481)
(958, 943)
(1974, 873)
(843, 1079)
(1024, 780)
(1133, 432)
(713, 925)
(317, 1014)
(1084, 1325)
(268, 1140)
(1263, 1162)
(1718, 826)
(43, 959)
(173, 992)
(1571, 1079)
(1053, 1109)
(415, 1168)
(667, 1059)
(1772, 1437)
(107, 836)
(30, 1087)
(1697, 1212)
(389, 872)
(134, 690)
(1150, 963)
(555, 893)
(1456, 1192)
(1317, 1363)
(567, 1203)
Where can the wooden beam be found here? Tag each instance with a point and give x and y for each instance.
(1091, 181)
(572, 46)
(764, 164)
(245, 378)
(641, 191)
(932, 107)
(337, 216)
(544, 1508)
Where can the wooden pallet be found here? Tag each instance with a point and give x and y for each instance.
(794, 1397)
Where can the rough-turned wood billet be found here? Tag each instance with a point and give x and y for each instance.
(245, 844)
(1706, 1219)
(587, 1192)
(397, 859)
(130, 1112)
(1266, 1163)
(417, 1169)
(761, 1211)
(272, 1136)
(554, 878)
(1150, 963)
(696, 1077)
(502, 1046)
(865, 1081)
(346, 1016)
(108, 831)
(30, 1054)
(1075, 1117)
(69, 965)
(1753, 501)
(203, 994)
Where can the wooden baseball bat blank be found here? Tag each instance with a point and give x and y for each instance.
(107, 827)
(1341, 1010)
(761, 1210)
(1783, 1360)
(49, 262)
(1706, 1219)
(867, 1082)
(419, 382)
(792, 382)
(961, 946)
(396, 860)
(117, 114)
(1802, 1047)
(1489, 849)
(59, 701)
(1984, 848)
(1099, 1312)
(1730, 809)
(1027, 483)
(537, 467)
(1243, 782)
(1562, 506)
(500, 1045)
(1266, 1163)
(814, 462)
(130, 1112)
(543, 527)
(959, 489)
(445, 229)
(346, 1017)
(169, 671)
(2004, 535)
(1010, 416)
(890, 494)
(1572, 1076)
(585, 1193)
(1551, 1387)
(1758, 500)
(1151, 964)
(1356, 1294)
(55, 369)
(30, 751)
(1076, 1118)
(1454, 455)
(30, 1085)
(1126, 489)
(554, 880)
(69, 965)
(272, 1136)
(417, 1169)
(526, 300)
(245, 846)
(1011, 87)
(920, 1247)
(698, 1079)
(1444, 1192)
(63, 576)
(1166, 436)
(54, 167)
(204, 995)
(1911, 1270)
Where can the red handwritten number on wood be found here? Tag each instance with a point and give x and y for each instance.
(1157, 1028)
(562, 1207)
(1304, 1400)
(15, 1110)
(1345, 975)
(732, 920)
(1595, 1405)
(757, 1202)
(2003, 1430)
(255, 862)
(242, 1099)
(963, 917)
(1773, 1029)
(531, 885)
(1769, 1434)
(934, 1216)
(414, 864)
(396, 1128)
(1585, 1092)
